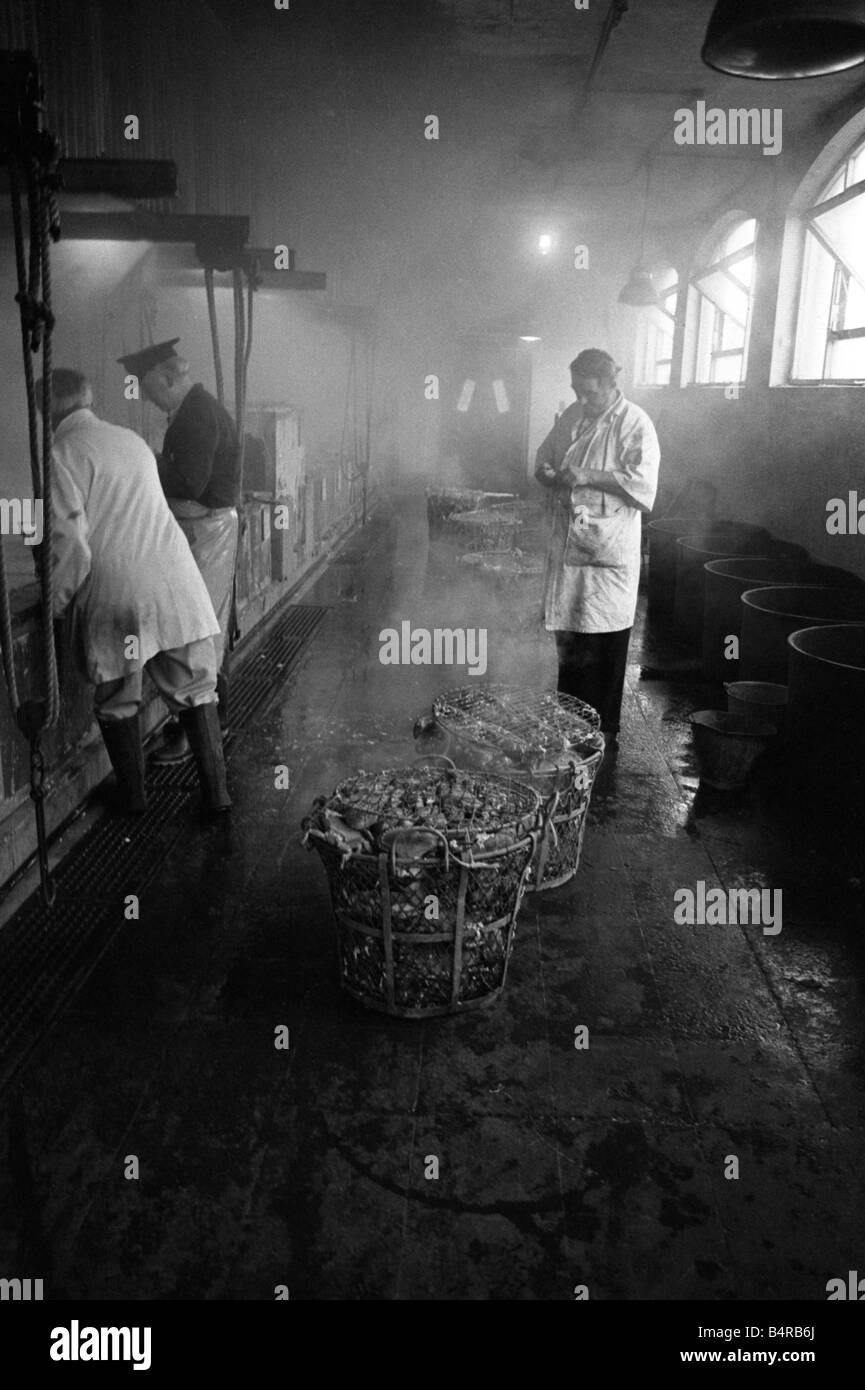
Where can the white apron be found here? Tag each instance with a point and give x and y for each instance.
(593, 564)
(120, 557)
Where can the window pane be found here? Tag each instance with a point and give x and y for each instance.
(732, 334)
(741, 236)
(743, 271)
(705, 329)
(727, 295)
(837, 185)
(857, 169)
(854, 316)
(844, 229)
(818, 273)
(727, 369)
(846, 360)
(662, 374)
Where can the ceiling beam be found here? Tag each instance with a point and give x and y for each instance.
(121, 178)
(141, 225)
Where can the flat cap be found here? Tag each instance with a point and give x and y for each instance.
(140, 363)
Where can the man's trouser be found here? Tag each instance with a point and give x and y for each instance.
(184, 676)
(592, 667)
(212, 536)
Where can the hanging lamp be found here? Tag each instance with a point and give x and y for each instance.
(640, 291)
(785, 38)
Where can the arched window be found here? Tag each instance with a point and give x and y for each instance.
(830, 324)
(720, 306)
(655, 344)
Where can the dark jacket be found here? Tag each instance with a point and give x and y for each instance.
(200, 459)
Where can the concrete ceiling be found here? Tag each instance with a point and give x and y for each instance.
(524, 140)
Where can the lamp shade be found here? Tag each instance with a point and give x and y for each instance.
(640, 290)
(785, 38)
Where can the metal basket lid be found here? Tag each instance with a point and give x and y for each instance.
(529, 727)
(510, 564)
(466, 494)
(460, 804)
(488, 516)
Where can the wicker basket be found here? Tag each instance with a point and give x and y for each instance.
(551, 741)
(534, 519)
(393, 956)
(442, 503)
(487, 528)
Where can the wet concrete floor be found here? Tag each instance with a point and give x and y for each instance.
(608, 1166)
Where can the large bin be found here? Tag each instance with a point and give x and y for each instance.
(769, 615)
(725, 583)
(826, 726)
(663, 535)
(693, 552)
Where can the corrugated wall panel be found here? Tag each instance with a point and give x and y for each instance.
(166, 63)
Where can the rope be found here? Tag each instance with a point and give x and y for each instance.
(214, 333)
(37, 152)
(47, 223)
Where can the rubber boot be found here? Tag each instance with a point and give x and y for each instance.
(122, 738)
(175, 746)
(222, 697)
(201, 725)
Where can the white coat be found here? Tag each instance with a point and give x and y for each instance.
(593, 565)
(120, 557)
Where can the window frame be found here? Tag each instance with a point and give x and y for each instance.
(842, 272)
(706, 317)
(650, 330)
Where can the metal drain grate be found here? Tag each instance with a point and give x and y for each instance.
(47, 953)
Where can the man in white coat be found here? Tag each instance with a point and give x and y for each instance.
(137, 597)
(600, 461)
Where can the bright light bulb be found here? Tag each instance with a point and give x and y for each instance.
(545, 243)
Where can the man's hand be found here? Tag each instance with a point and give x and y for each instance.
(577, 477)
(546, 472)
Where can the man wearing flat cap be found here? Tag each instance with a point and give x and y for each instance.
(199, 469)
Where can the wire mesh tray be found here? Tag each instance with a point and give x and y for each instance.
(531, 730)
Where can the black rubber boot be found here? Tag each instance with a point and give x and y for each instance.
(201, 724)
(222, 697)
(174, 747)
(122, 738)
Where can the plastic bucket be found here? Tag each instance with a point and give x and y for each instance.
(727, 746)
(692, 553)
(725, 582)
(758, 700)
(769, 616)
(827, 715)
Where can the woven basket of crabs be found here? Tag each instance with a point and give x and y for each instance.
(427, 867)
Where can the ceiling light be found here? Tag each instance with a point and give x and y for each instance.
(640, 290)
(545, 243)
(785, 38)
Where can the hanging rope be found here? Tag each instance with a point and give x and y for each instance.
(34, 155)
(242, 353)
(37, 323)
(214, 333)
